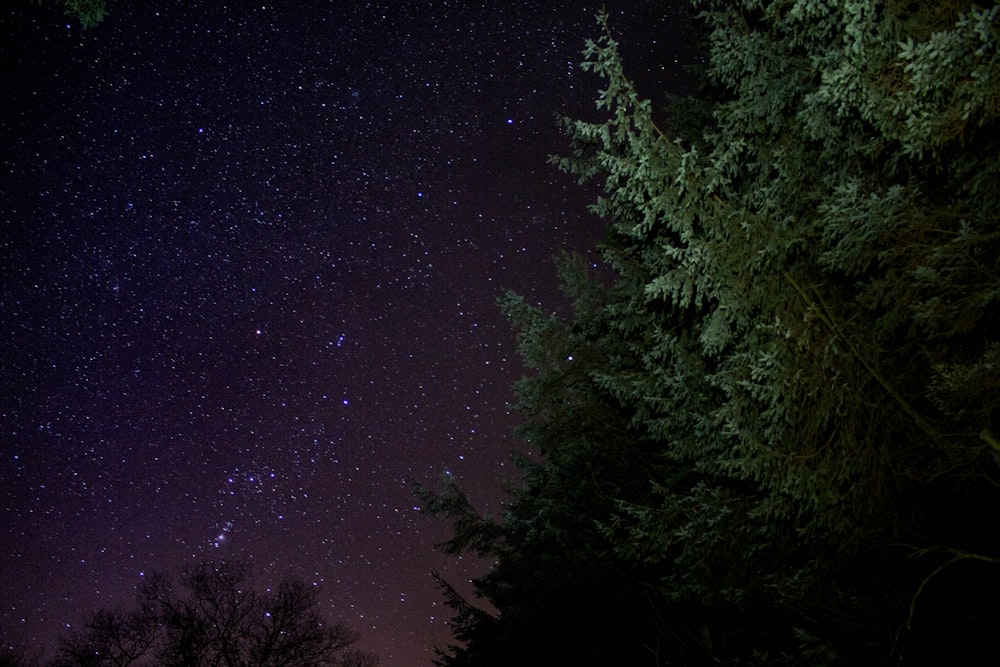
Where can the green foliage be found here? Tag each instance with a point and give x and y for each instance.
(792, 369)
(88, 12)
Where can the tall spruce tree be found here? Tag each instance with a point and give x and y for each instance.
(773, 437)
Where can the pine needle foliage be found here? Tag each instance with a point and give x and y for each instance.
(88, 12)
(786, 399)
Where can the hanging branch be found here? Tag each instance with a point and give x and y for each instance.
(826, 315)
(956, 556)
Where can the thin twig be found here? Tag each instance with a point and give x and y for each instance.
(826, 315)
(957, 556)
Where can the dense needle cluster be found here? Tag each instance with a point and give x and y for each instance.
(767, 432)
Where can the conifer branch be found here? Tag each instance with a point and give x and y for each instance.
(989, 439)
(624, 81)
(957, 555)
(826, 315)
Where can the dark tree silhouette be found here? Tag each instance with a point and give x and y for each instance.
(215, 616)
(112, 637)
(16, 654)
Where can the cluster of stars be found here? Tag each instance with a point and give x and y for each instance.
(251, 267)
(222, 535)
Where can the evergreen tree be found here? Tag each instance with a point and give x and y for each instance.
(88, 12)
(772, 437)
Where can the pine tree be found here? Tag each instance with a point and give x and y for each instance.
(778, 421)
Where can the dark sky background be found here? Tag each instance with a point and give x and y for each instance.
(249, 259)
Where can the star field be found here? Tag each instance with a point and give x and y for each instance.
(249, 261)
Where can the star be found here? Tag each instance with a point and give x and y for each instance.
(231, 288)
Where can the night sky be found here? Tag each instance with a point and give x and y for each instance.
(249, 262)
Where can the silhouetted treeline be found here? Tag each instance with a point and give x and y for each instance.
(213, 615)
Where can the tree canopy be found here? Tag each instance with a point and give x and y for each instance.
(215, 616)
(88, 12)
(767, 434)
